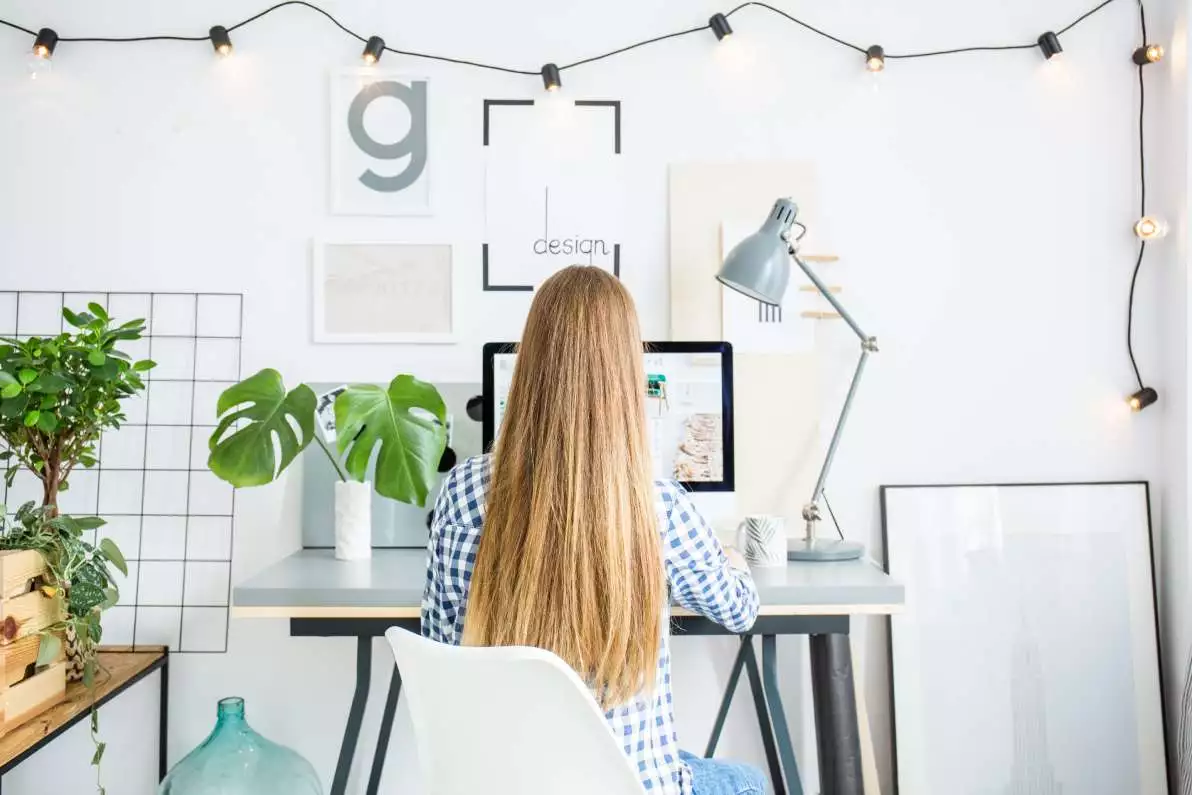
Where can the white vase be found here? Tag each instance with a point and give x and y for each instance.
(353, 520)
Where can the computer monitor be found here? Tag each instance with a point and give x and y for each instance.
(689, 408)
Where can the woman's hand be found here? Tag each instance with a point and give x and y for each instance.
(736, 559)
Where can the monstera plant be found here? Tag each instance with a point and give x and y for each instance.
(263, 428)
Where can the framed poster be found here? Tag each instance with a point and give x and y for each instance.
(383, 292)
(554, 190)
(1027, 660)
(379, 141)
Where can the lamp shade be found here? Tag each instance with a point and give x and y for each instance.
(760, 266)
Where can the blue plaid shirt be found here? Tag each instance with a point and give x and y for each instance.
(697, 570)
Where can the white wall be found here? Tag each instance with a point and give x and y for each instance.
(982, 202)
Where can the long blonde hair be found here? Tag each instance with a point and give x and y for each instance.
(570, 558)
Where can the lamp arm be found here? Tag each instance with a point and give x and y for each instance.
(836, 434)
(868, 346)
(826, 293)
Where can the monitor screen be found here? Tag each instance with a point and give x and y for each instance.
(688, 390)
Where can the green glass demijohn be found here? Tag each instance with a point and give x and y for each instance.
(235, 760)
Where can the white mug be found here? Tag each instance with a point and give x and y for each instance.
(762, 540)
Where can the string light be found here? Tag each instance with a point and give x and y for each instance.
(875, 58)
(551, 78)
(220, 40)
(1049, 43)
(1148, 54)
(1150, 228)
(1143, 398)
(719, 25)
(46, 42)
(39, 61)
(1147, 228)
(374, 48)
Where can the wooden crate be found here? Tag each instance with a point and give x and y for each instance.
(28, 699)
(24, 609)
(24, 612)
(20, 655)
(19, 569)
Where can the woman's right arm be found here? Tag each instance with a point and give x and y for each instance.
(701, 577)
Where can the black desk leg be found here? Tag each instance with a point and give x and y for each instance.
(836, 716)
(163, 729)
(339, 784)
(727, 701)
(378, 766)
(763, 716)
(782, 733)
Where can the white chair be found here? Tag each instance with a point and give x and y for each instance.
(506, 721)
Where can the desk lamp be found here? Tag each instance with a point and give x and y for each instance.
(759, 267)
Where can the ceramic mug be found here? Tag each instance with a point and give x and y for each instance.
(762, 540)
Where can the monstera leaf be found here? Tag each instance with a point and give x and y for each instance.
(245, 456)
(408, 421)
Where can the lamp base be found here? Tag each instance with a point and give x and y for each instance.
(822, 550)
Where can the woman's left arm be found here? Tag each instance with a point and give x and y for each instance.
(438, 609)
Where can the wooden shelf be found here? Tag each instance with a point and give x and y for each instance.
(124, 667)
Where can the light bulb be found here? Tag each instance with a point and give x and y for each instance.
(1148, 54)
(551, 78)
(1049, 44)
(1150, 228)
(374, 48)
(875, 58)
(37, 65)
(220, 40)
(719, 26)
(1143, 398)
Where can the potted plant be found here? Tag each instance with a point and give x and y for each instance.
(58, 395)
(262, 429)
(79, 578)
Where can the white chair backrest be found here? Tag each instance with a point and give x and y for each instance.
(506, 721)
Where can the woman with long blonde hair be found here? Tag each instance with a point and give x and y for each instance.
(562, 540)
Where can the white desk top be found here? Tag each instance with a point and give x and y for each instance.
(313, 584)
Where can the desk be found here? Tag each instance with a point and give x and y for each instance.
(323, 597)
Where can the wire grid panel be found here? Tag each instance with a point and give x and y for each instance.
(171, 517)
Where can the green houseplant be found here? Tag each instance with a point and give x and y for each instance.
(58, 395)
(263, 427)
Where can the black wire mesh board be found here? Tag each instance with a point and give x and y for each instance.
(171, 517)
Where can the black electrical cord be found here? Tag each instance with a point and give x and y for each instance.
(129, 39)
(14, 26)
(654, 40)
(1142, 202)
(801, 23)
(510, 70)
(1085, 16)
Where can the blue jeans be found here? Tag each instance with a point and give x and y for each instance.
(713, 777)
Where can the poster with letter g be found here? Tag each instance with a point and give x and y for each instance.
(379, 143)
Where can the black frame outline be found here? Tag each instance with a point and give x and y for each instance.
(725, 349)
(486, 284)
(1146, 486)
